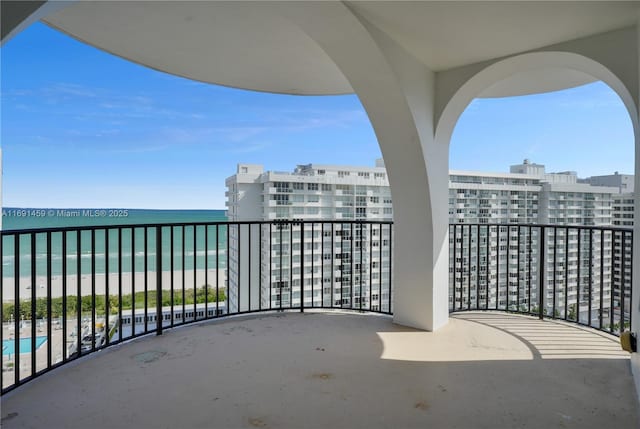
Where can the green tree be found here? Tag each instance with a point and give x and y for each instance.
(572, 312)
(7, 311)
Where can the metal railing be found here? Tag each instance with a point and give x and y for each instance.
(67, 292)
(579, 274)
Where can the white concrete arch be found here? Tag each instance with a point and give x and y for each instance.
(524, 63)
(536, 61)
(396, 90)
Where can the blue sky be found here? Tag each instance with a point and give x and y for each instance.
(82, 128)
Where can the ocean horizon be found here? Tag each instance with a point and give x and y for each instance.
(18, 218)
(14, 218)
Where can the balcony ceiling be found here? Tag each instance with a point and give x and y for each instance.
(251, 45)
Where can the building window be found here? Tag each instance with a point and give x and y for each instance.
(281, 186)
(346, 189)
(312, 186)
(326, 187)
(282, 199)
(298, 186)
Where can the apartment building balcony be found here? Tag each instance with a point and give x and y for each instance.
(278, 203)
(245, 360)
(414, 88)
(272, 190)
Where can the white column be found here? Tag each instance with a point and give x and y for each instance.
(397, 92)
(635, 303)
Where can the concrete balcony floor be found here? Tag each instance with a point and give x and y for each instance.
(338, 370)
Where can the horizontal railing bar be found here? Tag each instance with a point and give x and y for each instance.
(546, 225)
(9, 232)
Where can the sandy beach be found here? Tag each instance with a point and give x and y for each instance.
(58, 343)
(26, 284)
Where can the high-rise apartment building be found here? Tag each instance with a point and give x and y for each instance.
(528, 196)
(328, 255)
(494, 239)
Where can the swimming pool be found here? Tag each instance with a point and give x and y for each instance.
(8, 346)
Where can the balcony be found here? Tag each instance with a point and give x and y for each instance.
(341, 370)
(555, 39)
(249, 347)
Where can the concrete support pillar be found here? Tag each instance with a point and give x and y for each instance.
(635, 294)
(422, 285)
(397, 91)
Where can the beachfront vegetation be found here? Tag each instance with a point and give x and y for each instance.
(204, 293)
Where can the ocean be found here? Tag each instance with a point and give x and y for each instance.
(132, 239)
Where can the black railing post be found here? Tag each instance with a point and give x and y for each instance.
(16, 309)
(93, 290)
(529, 271)
(518, 230)
(301, 241)
(107, 328)
(631, 276)
(601, 310)
(159, 281)
(455, 256)
(566, 273)
(469, 267)
(623, 269)
(541, 274)
(49, 290)
(34, 286)
(390, 267)
(590, 276)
